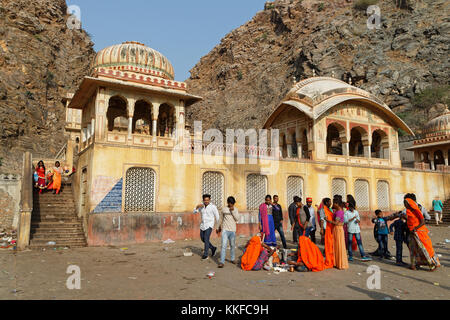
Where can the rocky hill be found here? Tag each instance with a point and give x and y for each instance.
(41, 60)
(244, 78)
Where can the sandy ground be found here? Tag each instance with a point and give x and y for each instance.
(159, 271)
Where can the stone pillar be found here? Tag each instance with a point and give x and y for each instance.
(367, 149)
(26, 203)
(130, 128)
(155, 114)
(433, 167)
(446, 160)
(346, 149)
(299, 149)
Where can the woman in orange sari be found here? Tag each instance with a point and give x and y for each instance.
(420, 246)
(57, 172)
(340, 251)
(329, 241)
(256, 254)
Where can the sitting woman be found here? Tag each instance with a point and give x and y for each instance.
(256, 254)
(308, 256)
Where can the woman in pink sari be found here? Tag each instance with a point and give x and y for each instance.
(266, 223)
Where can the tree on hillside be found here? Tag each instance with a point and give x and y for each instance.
(430, 97)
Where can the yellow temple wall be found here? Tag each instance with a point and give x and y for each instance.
(179, 190)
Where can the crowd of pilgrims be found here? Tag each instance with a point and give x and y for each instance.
(338, 223)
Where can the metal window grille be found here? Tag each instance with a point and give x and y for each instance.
(294, 188)
(339, 187)
(140, 190)
(256, 190)
(362, 195)
(383, 195)
(213, 184)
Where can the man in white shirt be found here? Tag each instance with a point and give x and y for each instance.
(210, 215)
(352, 219)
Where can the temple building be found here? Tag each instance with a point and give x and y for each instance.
(432, 152)
(334, 138)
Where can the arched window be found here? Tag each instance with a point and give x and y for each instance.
(294, 146)
(334, 143)
(305, 147)
(142, 118)
(356, 142)
(117, 115)
(380, 143)
(294, 187)
(213, 184)
(166, 120)
(438, 159)
(140, 190)
(256, 190)
(339, 187)
(362, 195)
(383, 195)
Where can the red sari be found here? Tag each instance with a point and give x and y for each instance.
(41, 177)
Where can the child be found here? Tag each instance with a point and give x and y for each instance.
(399, 236)
(352, 219)
(382, 232)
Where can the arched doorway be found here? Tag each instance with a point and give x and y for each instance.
(166, 120)
(380, 143)
(334, 143)
(305, 147)
(438, 159)
(117, 115)
(294, 146)
(142, 118)
(356, 146)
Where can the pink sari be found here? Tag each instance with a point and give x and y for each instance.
(264, 219)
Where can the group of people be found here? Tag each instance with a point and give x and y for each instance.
(50, 180)
(340, 231)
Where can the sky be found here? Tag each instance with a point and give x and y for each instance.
(183, 31)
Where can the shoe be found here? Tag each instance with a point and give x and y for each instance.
(366, 258)
(350, 259)
(220, 265)
(204, 258)
(213, 252)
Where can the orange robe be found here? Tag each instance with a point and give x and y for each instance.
(413, 220)
(251, 254)
(56, 178)
(310, 255)
(329, 240)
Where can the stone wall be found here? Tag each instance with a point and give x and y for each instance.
(9, 200)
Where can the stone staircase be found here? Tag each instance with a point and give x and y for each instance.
(54, 219)
(446, 212)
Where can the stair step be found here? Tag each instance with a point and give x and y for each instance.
(52, 225)
(57, 230)
(58, 242)
(59, 237)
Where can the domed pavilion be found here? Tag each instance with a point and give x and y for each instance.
(433, 151)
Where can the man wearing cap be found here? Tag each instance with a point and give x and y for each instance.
(311, 230)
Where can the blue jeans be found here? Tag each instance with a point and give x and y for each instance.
(205, 235)
(382, 244)
(228, 235)
(279, 228)
(359, 241)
